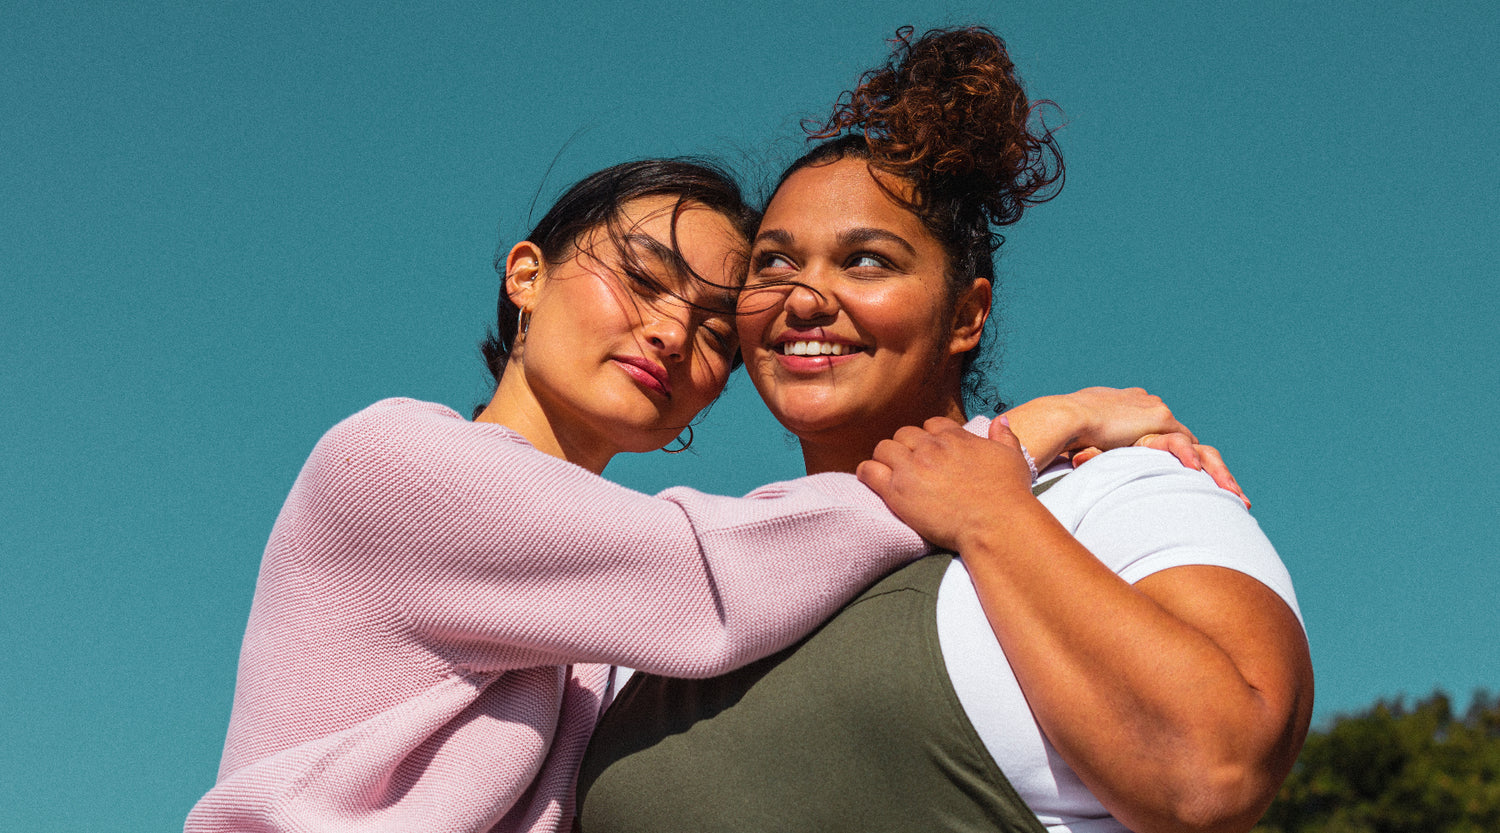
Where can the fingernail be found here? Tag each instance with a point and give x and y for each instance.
(1005, 420)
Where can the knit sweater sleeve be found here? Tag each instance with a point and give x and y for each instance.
(498, 556)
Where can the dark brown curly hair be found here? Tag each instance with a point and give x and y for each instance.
(949, 116)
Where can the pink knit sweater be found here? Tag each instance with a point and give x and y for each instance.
(439, 602)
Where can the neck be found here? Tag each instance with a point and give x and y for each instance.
(515, 406)
(844, 449)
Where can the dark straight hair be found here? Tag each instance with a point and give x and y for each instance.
(597, 202)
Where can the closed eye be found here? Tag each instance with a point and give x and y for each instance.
(643, 283)
(719, 335)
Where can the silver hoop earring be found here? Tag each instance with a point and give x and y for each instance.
(684, 446)
(525, 325)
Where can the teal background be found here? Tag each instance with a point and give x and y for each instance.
(225, 227)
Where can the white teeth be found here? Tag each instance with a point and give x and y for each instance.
(816, 348)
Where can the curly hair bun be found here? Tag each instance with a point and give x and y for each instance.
(949, 113)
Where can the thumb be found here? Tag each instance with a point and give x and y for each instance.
(1000, 432)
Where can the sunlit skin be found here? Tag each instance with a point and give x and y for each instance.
(871, 301)
(1203, 666)
(882, 340)
(608, 365)
(1180, 700)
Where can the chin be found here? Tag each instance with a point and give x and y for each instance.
(812, 420)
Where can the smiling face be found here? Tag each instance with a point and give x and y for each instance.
(867, 339)
(616, 356)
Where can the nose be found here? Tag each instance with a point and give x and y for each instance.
(666, 330)
(810, 299)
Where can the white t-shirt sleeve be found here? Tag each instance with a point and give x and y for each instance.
(1140, 512)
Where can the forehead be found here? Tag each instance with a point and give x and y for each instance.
(706, 242)
(699, 229)
(827, 199)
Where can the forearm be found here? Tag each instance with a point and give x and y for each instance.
(1154, 716)
(696, 589)
(494, 553)
(1046, 426)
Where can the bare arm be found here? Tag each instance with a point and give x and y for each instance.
(1180, 701)
(1088, 421)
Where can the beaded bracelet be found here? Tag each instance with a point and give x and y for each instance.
(1030, 463)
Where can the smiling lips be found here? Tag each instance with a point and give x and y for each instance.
(811, 355)
(814, 348)
(647, 373)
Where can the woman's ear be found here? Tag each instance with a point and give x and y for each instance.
(522, 267)
(969, 315)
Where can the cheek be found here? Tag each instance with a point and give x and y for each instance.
(598, 301)
(709, 375)
(755, 314)
(910, 321)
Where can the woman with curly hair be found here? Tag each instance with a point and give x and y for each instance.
(1116, 647)
(441, 599)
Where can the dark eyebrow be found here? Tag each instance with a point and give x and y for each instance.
(646, 245)
(774, 236)
(854, 237)
(848, 239)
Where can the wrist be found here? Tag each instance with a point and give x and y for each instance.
(1049, 425)
(1030, 461)
(1004, 533)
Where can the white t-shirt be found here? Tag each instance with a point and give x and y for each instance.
(1139, 511)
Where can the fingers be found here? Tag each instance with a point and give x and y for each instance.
(876, 475)
(1179, 445)
(1194, 455)
(899, 448)
(1169, 423)
(1213, 464)
(1183, 430)
(1083, 455)
(941, 425)
(1184, 448)
(1188, 451)
(909, 438)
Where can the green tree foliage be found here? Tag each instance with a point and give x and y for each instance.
(1393, 769)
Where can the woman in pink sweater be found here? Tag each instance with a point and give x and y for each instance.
(440, 600)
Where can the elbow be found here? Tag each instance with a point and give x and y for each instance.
(1229, 772)
(1228, 786)
(1223, 799)
(1192, 795)
(1227, 794)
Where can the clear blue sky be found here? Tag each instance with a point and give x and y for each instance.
(225, 227)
